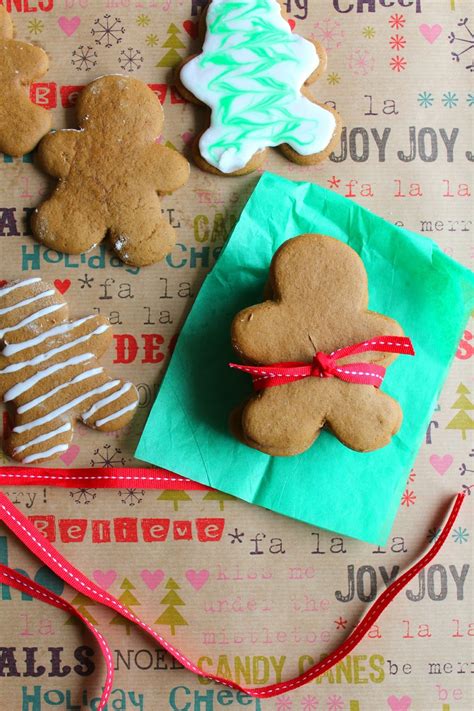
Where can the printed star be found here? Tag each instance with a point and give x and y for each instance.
(368, 32)
(340, 623)
(333, 78)
(86, 281)
(237, 536)
(398, 64)
(397, 42)
(334, 182)
(143, 20)
(35, 27)
(151, 40)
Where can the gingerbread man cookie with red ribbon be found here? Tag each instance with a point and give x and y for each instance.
(111, 173)
(316, 354)
(22, 123)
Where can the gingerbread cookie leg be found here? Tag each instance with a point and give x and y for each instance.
(142, 237)
(379, 413)
(277, 420)
(64, 224)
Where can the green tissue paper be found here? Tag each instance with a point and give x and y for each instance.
(329, 486)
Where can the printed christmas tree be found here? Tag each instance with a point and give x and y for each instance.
(462, 420)
(172, 57)
(128, 600)
(175, 496)
(218, 496)
(171, 616)
(81, 602)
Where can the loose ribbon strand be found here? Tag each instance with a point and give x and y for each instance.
(326, 366)
(24, 530)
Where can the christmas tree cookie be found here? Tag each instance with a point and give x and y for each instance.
(22, 123)
(253, 73)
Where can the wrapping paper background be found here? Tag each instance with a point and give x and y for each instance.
(269, 593)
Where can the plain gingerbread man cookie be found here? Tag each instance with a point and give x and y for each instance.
(319, 299)
(50, 375)
(22, 123)
(254, 74)
(111, 173)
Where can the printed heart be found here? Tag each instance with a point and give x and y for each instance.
(69, 24)
(191, 28)
(430, 32)
(197, 578)
(70, 454)
(399, 704)
(3, 282)
(441, 464)
(104, 578)
(62, 286)
(292, 24)
(152, 578)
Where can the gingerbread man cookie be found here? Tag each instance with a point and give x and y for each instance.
(253, 73)
(111, 173)
(316, 354)
(22, 123)
(49, 373)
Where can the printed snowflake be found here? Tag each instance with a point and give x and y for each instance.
(333, 78)
(335, 703)
(151, 40)
(35, 27)
(110, 31)
(329, 33)
(368, 32)
(131, 497)
(107, 456)
(396, 21)
(143, 20)
(83, 496)
(360, 62)
(460, 535)
(425, 99)
(412, 475)
(465, 44)
(467, 489)
(309, 703)
(284, 703)
(398, 64)
(470, 99)
(408, 498)
(450, 99)
(397, 42)
(463, 469)
(340, 623)
(130, 59)
(433, 534)
(85, 281)
(84, 58)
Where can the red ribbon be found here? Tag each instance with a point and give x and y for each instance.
(326, 366)
(37, 544)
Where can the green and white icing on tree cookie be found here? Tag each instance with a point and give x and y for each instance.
(250, 74)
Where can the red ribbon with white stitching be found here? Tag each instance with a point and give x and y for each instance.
(327, 366)
(42, 549)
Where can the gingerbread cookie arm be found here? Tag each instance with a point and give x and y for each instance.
(56, 152)
(167, 168)
(31, 62)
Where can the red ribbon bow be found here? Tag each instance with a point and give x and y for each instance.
(326, 366)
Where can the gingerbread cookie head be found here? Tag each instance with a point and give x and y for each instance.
(22, 123)
(112, 173)
(119, 98)
(253, 73)
(50, 375)
(318, 306)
